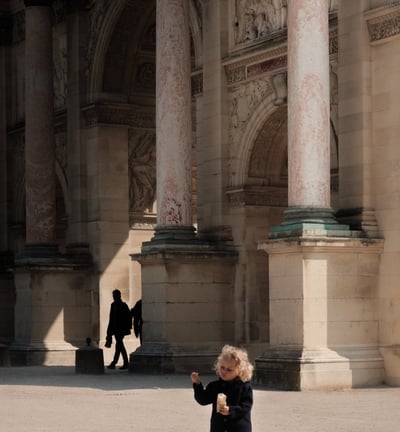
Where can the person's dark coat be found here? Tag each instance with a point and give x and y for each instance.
(239, 398)
(136, 313)
(120, 322)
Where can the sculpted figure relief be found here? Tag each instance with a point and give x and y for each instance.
(142, 172)
(257, 18)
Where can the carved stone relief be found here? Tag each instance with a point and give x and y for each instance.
(142, 171)
(257, 18)
(245, 98)
(383, 22)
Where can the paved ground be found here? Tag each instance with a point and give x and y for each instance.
(56, 399)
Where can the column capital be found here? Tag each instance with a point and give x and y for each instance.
(48, 3)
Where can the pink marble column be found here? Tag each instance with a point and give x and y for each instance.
(173, 114)
(308, 97)
(39, 134)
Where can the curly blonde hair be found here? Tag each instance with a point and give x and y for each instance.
(239, 357)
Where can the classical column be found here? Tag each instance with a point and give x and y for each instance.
(39, 133)
(5, 30)
(173, 119)
(308, 116)
(77, 30)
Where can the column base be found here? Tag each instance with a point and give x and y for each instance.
(310, 222)
(173, 232)
(154, 358)
(360, 219)
(40, 354)
(319, 369)
(47, 254)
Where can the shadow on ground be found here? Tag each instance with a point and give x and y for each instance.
(65, 376)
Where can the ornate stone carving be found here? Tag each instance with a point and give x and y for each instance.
(279, 82)
(383, 22)
(266, 66)
(245, 99)
(142, 170)
(258, 18)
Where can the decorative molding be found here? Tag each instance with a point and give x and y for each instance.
(119, 114)
(383, 23)
(140, 221)
(268, 196)
(266, 62)
(142, 170)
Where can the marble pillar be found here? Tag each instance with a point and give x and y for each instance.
(173, 118)
(39, 129)
(308, 111)
(308, 120)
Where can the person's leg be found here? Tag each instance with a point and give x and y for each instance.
(117, 350)
(124, 354)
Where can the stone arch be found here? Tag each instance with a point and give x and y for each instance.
(112, 34)
(256, 122)
(195, 30)
(268, 161)
(102, 36)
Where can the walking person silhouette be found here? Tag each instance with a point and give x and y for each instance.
(119, 326)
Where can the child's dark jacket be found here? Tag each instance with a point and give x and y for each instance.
(239, 398)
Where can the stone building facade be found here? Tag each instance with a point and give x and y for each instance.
(233, 163)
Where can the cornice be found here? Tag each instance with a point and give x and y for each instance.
(272, 60)
(119, 115)
(383, 23)
(270, 196)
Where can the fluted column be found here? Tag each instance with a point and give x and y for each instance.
(173, 118)
(39, 129)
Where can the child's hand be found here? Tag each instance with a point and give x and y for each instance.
(194, 376)
(224, 410)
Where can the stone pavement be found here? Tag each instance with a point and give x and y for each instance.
(56, 399)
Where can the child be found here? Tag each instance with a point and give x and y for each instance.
(235, 372)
